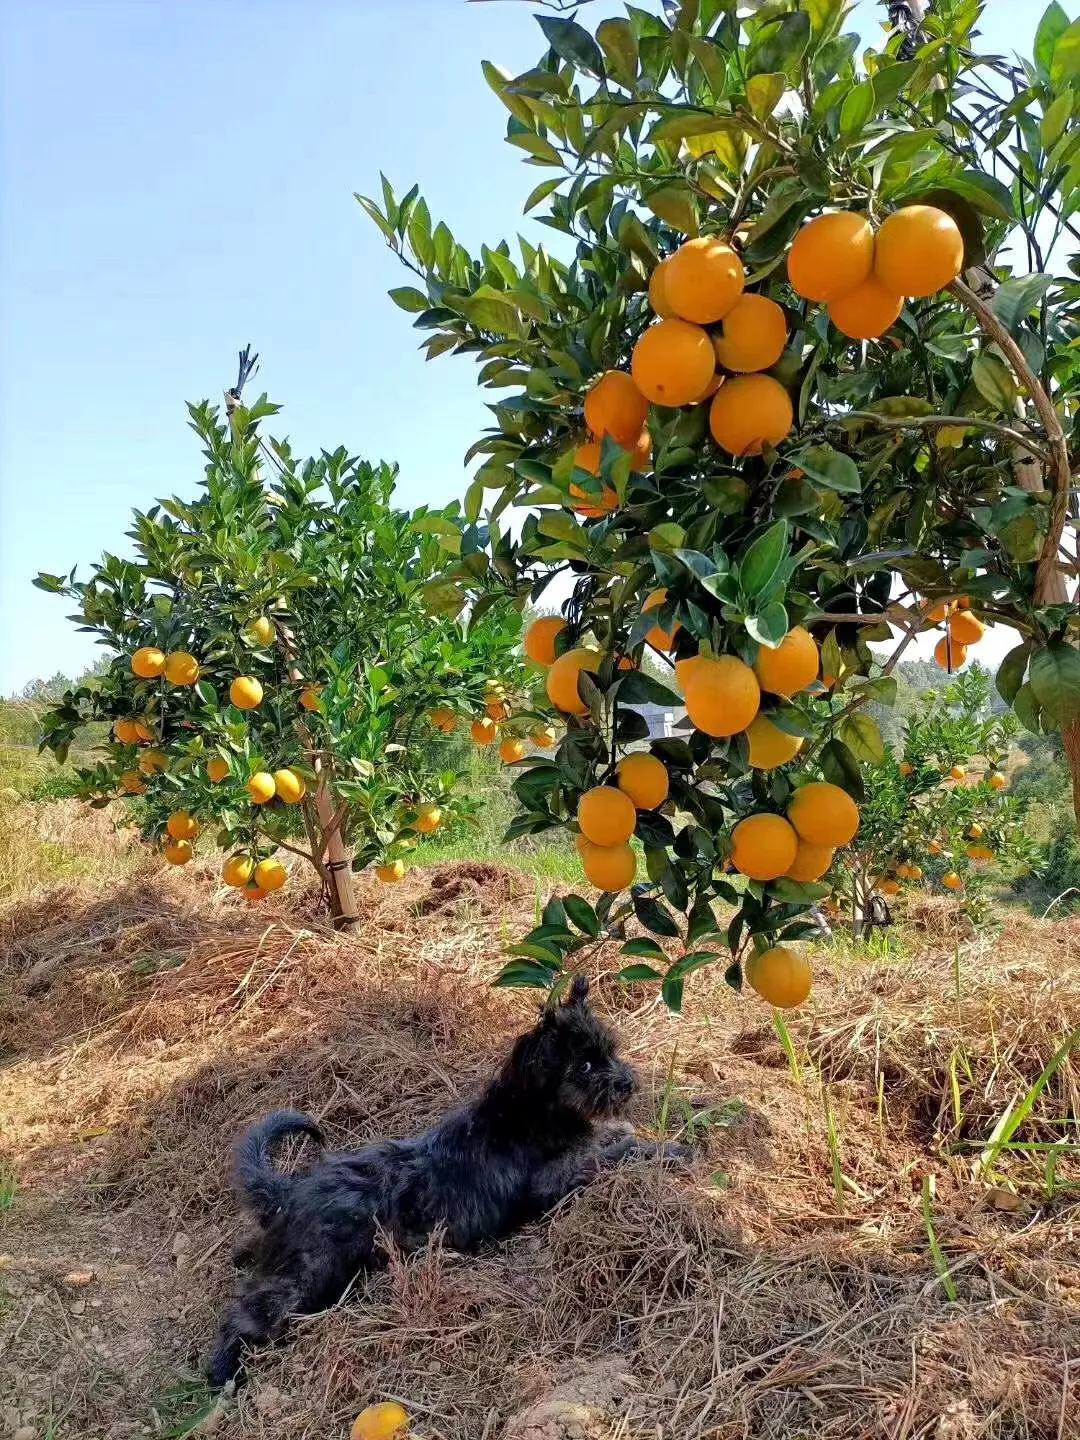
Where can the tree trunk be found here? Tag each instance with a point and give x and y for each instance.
(337, 862)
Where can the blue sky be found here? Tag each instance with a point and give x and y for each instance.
(177, 180)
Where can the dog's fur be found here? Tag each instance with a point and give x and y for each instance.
(484, 1170)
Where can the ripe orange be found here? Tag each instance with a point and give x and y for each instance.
(484, 730)
(950, 654)
(497, 710)
(238, 870)
(148, 662)
(823, 814)
(592, 506)
(443, 719)
(791, 667)
(763, 846)
(673, 362)
(658, 291)
(980, 852)
(769, 745)
(710, 389)
(957, 773)
(781, 976)
(181, 668)
(178, 852)
(126, 732)
(151, 761)
(261, 787)
(722, 696)
(935, 847)
(182, 826)
(310, 697)
(965, 628)
(918, 251)
(703, 279)
(685, 668)
(615, 406)
(831, 255)
(641, 453)
(657, 637)
(143, 731)
(270, 874)
(246, 692)
(811, 861)
(261, 630)
(867, 311)
(253, 894)
(644, 778)
(749, 412)
(997, 781)
(906, 768)
(216, 769)
(429, 817)
(753, 336)
(562, 679)
(392, 873)
(952, 881)
(540, 638)
(606, 815)
(915, 872)
(511, 750)
(936, 611)
(290, 788)
(975, 831)
(889, 887)
(608, 867)
(544, 737)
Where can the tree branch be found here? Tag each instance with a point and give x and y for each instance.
(935, 422)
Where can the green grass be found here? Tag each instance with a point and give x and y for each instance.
(8, 1187)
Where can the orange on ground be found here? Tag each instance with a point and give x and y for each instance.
(997, 781)
(181, 668)
(148, 662)
(151, 761)
(540, 638)
(309, 697)
(749, 412)
(769, 745)
(178, 852)
(392, 873)
(722, 696)
(957, 773)
(965, 628)
(831, 255)
(261, 787)
(657, 637)
(823, 814)
(428, 818)
(290, 787)
(673, 362)
(270, 874)
(238, 870)
(484, 730)
(246, 692)
(918, 251)
(543, 737)
(126, 732)
(703, 279)
(443, 719)
(950, 655)
(608, 867)
(261, 630)
(644, 778)
(615, 406)
(935, 847)
(511, 750)
(903, 871)
(216, 769)
(606, 815)
(980, 852)
(753, 335)
(781, 976)
(182, 826)
(952, 881)
(763, 846)
(791, 667)
(562, 679)
(867, 311)
(379, 1422)
(661, 306)
(811, 861)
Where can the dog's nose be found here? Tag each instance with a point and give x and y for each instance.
(625, 1081)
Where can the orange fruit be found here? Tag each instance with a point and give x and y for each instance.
(997, 781)
(915, 872)
(965, 628)
(606, 815)
(148, 662)
(182, 826)
(980, 852)
(615, 406)
(143, 731)
(658, 638)
(246, 692)
(261, 787)
(781, 976)
(310, 697)
(673, 362)
(867, 311)
(763, 846)
(722, 696)
(769, 745)
(261, 630)
(906, 768)
(957, 773)
(918, 251)
(392, 873)
(644, 778)
(592, 506)
(685, 668)
(290, 787)
(270, 874)
(216, 769)
(749, 412)
(126, 732)
(511, 750)
(710, 389)
(791, 667)
(544, 737)
(703, 279)
(641, 453)
(889, 887)
(238, 870)
(823, 814)
(935, 847)
(975, 831)
(151, 761)
(429, 817)
(178, 852)
(540, 638)
(937, 610)
(949, 654)
(951, 880)
(753, 335)
(831, 255)
(811, 861)
(658, 291)
(484, 730)
(253, 894)
(181, 668)
(443, 719)
(497, 710)
(562, 679)
(608, 867)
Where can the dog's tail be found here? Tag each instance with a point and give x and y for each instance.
(264, 1187)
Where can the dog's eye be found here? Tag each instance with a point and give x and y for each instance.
(586, 1067)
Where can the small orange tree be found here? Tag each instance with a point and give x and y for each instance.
(276, 672)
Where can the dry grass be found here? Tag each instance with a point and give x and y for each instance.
(143, 1025)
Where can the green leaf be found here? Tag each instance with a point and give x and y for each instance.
(764, 93)
(1052, 125)
(779, 46)
(573, 43)
(641, 946)
(672, 992)
(638, 972)
(542, 191)
(994, 381)
(1054, 24)
(829, 467)
(769, 626)
(863, 738)
(759, 566)
(1011, 672)
(857, 108)
(1065, 66)
(53, 584)
(840, 767)
(637, 688)
(523, 973)
(983, 193)
(620, 47)
(890, 80)
(582, 914)
(654, 916)
(797, 892)
(674, 205)
(1016, 299)
(1055, 681)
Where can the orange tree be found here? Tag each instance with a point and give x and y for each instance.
(275, 671)
(797, 370)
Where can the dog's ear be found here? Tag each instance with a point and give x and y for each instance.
(579, 990)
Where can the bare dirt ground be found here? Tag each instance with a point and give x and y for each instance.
(143, 1024)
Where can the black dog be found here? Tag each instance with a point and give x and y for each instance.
(481, 1172)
